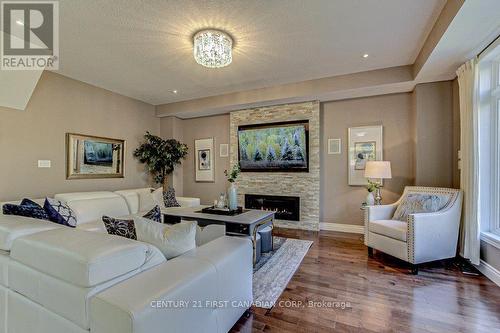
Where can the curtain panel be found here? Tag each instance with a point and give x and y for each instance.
(468, 80)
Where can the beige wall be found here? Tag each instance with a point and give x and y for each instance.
(340, 203)
(419, 135)
(172, 128)
(434, 126)
(60, 105)
(216, 127)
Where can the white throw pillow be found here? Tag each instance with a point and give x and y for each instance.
(158, 197)
(146, 200)
(172, 240)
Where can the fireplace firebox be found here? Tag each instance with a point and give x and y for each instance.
(285, 207)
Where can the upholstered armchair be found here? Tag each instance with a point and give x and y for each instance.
(416, 237)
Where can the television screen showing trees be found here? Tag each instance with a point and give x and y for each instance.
(273, 147)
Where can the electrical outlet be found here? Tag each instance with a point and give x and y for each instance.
(44, 164)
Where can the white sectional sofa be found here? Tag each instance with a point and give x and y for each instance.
(60, 279)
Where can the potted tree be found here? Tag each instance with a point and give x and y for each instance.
(160, 156)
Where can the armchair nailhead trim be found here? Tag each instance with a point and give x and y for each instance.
(366, 217)
(410, 239)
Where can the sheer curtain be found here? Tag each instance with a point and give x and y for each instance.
(468, 76)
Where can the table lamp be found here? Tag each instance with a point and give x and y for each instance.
(378, 170)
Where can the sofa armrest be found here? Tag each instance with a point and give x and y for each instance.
(188, 202)
(185, 294)
(379, 212)
(434, 236)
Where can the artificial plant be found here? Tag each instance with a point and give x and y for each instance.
(160, 156)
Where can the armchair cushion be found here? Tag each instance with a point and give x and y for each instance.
(420, 203)
(391, 228)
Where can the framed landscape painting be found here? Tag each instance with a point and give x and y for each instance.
(365, 144)
(90, 157)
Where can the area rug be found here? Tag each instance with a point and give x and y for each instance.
(276, 268)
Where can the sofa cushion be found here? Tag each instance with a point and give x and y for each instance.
(171, 240)
(13, 227)
(94, 226)
(4, 264)
(64, 298)
(79, 257)
(138, 200)
(188, 202)
(413, 203)
(26, 208)
(391, 228)
(59, 212)
(91, 206)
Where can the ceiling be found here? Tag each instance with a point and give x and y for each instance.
(143, 48)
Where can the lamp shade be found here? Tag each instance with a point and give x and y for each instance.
(378, 169)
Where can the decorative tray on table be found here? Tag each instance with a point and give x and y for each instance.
(223, 211)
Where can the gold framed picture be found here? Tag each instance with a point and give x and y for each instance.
(91, 157)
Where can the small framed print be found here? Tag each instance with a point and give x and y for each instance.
(224, 150)
(204, 159)
(334, 146)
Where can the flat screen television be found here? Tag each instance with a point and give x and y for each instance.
(281, 147)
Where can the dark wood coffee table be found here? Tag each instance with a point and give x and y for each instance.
(244, 224)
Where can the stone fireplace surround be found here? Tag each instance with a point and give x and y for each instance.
(305, 185)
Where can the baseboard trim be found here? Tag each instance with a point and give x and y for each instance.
(351, 228)
(489, 271)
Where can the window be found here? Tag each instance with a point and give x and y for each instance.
(489, 142)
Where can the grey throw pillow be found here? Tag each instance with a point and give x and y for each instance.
(414, 203)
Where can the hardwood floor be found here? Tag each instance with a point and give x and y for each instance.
(383, 296)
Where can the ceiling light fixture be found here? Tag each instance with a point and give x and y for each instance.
(174, 91)
(213, 48)
(365, 55)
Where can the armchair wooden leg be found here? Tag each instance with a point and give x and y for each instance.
(414, 269)
(370, 252)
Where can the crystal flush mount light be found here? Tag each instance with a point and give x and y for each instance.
(213, 48)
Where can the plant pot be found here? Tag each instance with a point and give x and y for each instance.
(370, 199)
(232, 194)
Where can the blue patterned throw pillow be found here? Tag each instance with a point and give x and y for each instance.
(59, 212)
(118, 227)
(154, 214)
(126, 228)
(169, 198)
(27, 208)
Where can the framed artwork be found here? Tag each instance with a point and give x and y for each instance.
(365, 144)
(364, 151)
(224, 150)
(91, 157)
(334, 146)
(204, 160)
